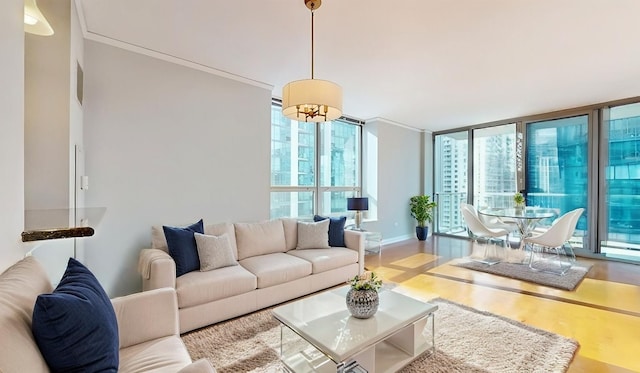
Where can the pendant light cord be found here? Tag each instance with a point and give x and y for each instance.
(312, 43)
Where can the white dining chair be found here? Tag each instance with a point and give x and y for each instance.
(497, 223)
(478, 230)
(551, 251)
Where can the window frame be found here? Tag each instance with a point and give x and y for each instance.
(318, 189)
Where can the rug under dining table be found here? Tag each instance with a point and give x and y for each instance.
(568, 281)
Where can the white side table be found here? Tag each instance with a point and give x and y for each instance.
(372, 242)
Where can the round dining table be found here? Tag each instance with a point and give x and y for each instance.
(525, 218)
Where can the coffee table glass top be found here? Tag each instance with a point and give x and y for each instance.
(324, 321)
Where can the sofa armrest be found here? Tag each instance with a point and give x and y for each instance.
(199, 366)
(146, 316)
(354, 240)
(157, 268)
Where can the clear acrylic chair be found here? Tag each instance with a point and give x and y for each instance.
(551, 251)
(479, 230)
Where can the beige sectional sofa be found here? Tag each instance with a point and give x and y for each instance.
(272, 269)
(147, 326)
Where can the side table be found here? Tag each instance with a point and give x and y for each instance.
(373, 242)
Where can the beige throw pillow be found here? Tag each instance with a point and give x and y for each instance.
(313, 235)
(255, 239)
(290, 226)
(158, 240)
(214, 251)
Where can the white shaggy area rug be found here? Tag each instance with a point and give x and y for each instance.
(467, 340)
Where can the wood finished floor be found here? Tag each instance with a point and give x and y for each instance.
(602, 314)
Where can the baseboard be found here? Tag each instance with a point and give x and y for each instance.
(388, 241)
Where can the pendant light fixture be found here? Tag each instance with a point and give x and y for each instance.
(312, 100)
(34, 21)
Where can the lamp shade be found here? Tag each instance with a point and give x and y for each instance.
(34, 21)
(311, 96)
(358, 203)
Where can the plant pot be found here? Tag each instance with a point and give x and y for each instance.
(362, 304)
(422, 233)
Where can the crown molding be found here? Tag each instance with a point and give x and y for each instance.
(397, 124)
(160, 55)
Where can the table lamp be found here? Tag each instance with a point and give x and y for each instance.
(358, 204)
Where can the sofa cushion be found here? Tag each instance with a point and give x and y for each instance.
(336, 229)
(278, 268)
(313, 235)
(75, 327)
(323, 260)
(182, 246)
(20, 284)
(166, 354)
(290, 226)
(214, 251)
(196, 287)
(260, 238)
(220, 229)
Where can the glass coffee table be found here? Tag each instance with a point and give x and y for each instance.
(318, 334)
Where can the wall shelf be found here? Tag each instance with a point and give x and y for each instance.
(52, 224)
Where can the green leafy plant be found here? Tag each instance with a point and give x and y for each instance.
(518, 199)
(366, 281)
(422, 209)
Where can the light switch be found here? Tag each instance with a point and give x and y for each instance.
(84, 182)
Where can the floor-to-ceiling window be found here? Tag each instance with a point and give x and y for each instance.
(557, 167)
(582, 158)
(315, 167)
(493, 180)
(620, 207)
(340, 165)
(451, 168)
(494, 166)
(546, 159)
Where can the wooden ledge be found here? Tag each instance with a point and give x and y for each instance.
(50, 234)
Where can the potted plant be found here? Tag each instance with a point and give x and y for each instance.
(519, 201)
(362, 298)
(422, 210)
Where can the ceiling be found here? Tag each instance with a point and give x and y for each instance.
(426, 64)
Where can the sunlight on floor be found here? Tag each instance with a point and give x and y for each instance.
(415, 261)
(557, 317)
(601, 313)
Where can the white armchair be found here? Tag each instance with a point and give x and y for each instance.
(145, 316)
(147, 326)
(149, 334)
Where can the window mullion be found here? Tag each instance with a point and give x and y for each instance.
(318, 178)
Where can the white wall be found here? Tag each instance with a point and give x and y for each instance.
(46, 102)
(165, 144)
(12, 138)
(53, 128)
(393, 172)
(427, 161)
(76, 51)
(76, 121)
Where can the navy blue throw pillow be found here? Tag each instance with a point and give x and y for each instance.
(183, 248)
(75, 327)
(336, 230)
